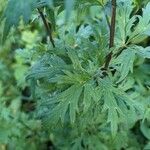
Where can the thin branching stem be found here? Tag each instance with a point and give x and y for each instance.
(47, 26)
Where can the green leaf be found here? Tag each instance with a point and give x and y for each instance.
(144, 52)
(14, 11)
(47, 67)
(145, 129)
(69, 6)
(125, 63)
(74, 58)
(142, 27)
(70, 78)
(68, 99)
(140, 3)
(110, 104)
(91, 95)
(124, 22)
(117, 105)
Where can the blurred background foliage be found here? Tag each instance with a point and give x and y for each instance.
(17, 130)
(23, 46)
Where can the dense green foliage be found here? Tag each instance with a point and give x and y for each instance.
(55, 91)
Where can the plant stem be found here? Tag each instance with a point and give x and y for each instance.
(112, 34)
(47, 26)
(105, 14)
